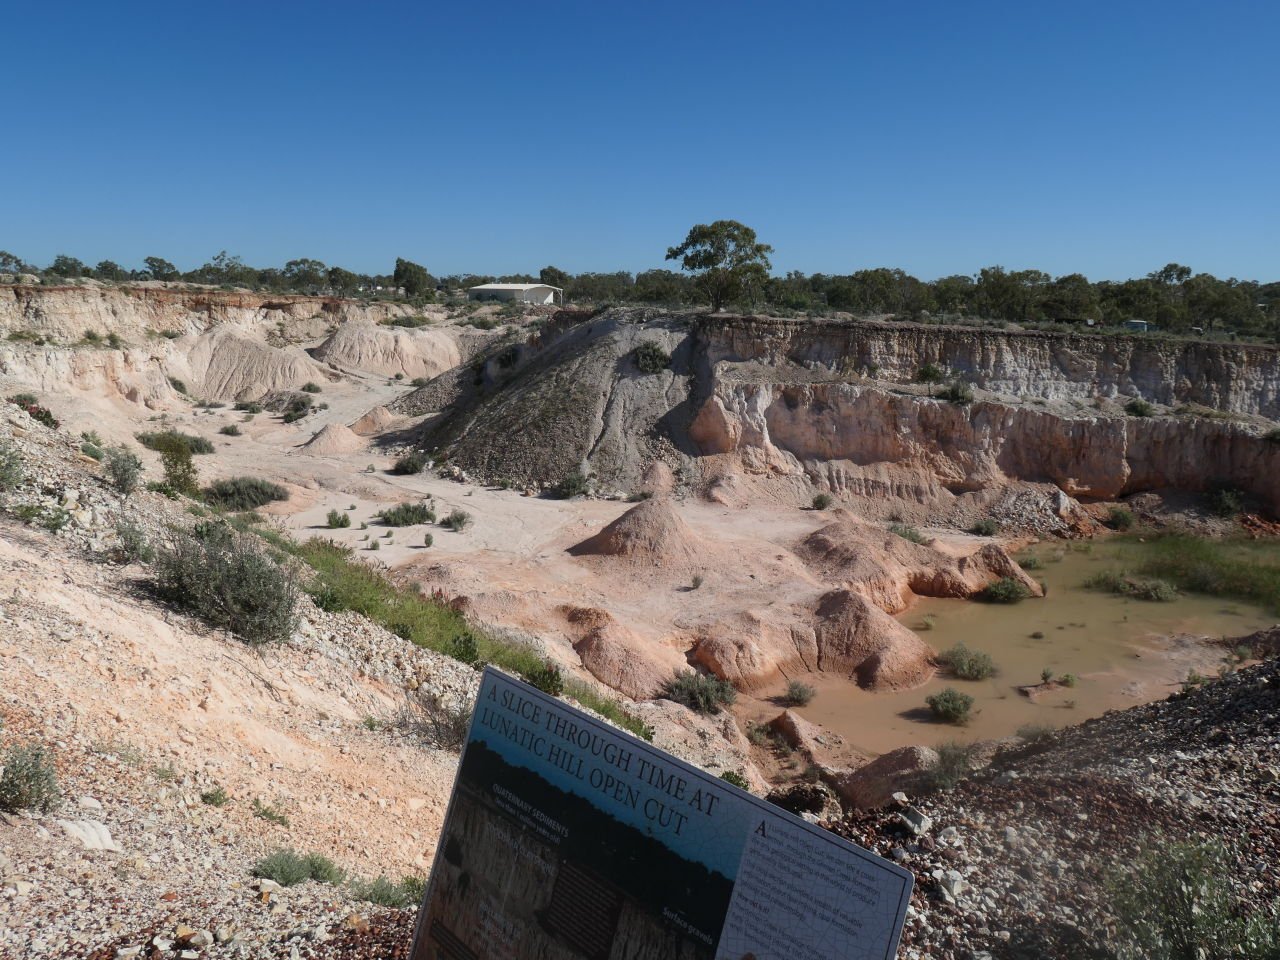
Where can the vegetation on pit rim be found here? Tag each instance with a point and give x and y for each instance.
(288, 868)
(227, 581)
(955, 763)
(28, 780)
(699, 692)
(344, 583)
(1176, 900)
(390, 893)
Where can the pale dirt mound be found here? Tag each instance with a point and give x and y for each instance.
(658, 480)
(225, 365)
(615, 656)
(855, 636)
(374, 422)
(334, 438)
(361, 345)
(752, 649)
(888, 569)
(652, 531)
(849, 635)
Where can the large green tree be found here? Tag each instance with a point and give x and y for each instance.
(160, 269)
(413, 277)
(727, 260)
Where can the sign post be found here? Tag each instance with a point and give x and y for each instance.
(568, 839)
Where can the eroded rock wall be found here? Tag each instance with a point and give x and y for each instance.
(844, 433)
(1024, 364)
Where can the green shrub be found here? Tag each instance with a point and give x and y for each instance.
(310, 387)
(419, 382)
(699, 692)
(547, 678)
(132, 545)
(958, 393)
(410, 464)
(289, 868)
(217, 797)
(338, 520)
(574, 485)
(799, 694)
(428, 540)
(737, 779)
(179, 471)
(968, 664)
(457, 521)
(908, 533)
(11, 473)
(440, 722)
(248, 406)
(1175, 901)
(950, 706)
(1119, 518)
(123, 468)
(1224, 502)
(821, 501)
(223, 579)
(985, 528)
(178, 385)
(463, 648)
(651, 358)
(230, 430)
(270, 813)
(52, 519)
(407, 515)
(29, 780)
(955, 763)
(162, 440)
(91, 451)
(1004, 590)
(1140, 588)
(389, 893)
(930, 373)
(244, 493)
(1139, 408)
(418, 320)
(1030, 562)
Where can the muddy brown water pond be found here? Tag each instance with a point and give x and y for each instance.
(1122, 652)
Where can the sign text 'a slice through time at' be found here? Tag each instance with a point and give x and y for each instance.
(568, 839)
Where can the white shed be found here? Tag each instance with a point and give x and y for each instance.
(523, 292)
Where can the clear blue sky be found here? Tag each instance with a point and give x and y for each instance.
(940, 137)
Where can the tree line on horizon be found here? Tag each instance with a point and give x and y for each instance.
(1173, 298)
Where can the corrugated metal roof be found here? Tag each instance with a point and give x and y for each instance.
(514, 286)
